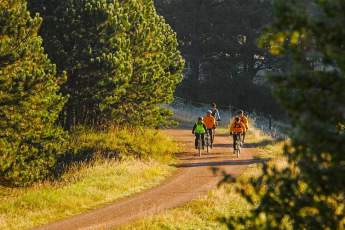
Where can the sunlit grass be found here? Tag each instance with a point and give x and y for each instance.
(224, 201)
(126, 142)
(91, 185)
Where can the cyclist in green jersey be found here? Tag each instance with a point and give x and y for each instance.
(199, 130)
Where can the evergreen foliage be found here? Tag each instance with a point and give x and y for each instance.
(157, 67)
(29, 99)
(309, 193)
(121, 59)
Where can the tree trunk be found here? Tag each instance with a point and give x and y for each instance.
(69, 122)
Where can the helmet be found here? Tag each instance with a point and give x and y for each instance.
(200, 118)
(209, 111)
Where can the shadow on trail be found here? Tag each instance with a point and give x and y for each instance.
(261, 143)
(222, 163)
(196, 157)
(222, 145)
(183, 142)
(182, 155)
(222, 135)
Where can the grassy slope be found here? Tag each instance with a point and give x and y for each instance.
(91, 185)
(222, 202)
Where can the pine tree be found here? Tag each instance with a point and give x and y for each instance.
(29, 102)
(88, 40)
(118, 56)
(157, 66)
(309, 193)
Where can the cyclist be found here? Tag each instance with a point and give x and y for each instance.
(199, 130)
(215, 112)
(244, 120)
(236, 128)
(210, 123)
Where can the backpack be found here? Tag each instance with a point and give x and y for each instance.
(237, 125)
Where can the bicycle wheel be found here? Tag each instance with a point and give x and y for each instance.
(238, 145)
(213, 136)
(199, 146)
(207, 142)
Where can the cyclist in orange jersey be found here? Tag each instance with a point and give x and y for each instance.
(210, 123)
(236, 128)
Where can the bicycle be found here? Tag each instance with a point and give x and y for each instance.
(210, 132)
(213, 135)
(238, 144)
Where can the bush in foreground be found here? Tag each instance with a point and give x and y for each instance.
(309, 193)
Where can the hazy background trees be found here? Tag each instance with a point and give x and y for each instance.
(218, 39)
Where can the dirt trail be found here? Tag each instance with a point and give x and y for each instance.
(192, 180)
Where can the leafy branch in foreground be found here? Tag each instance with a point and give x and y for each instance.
(309, 193)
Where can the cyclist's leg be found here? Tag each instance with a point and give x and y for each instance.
(234, 140)
(238, 139)
(203, 139)
(196, 140)
(212, 135)
(210, 132)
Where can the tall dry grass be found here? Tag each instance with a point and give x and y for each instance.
(113, 170)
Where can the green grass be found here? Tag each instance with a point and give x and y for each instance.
(90, 185)
(124, 143)
(224, 201)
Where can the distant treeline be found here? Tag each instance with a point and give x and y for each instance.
(66, 63)
(218, 40)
